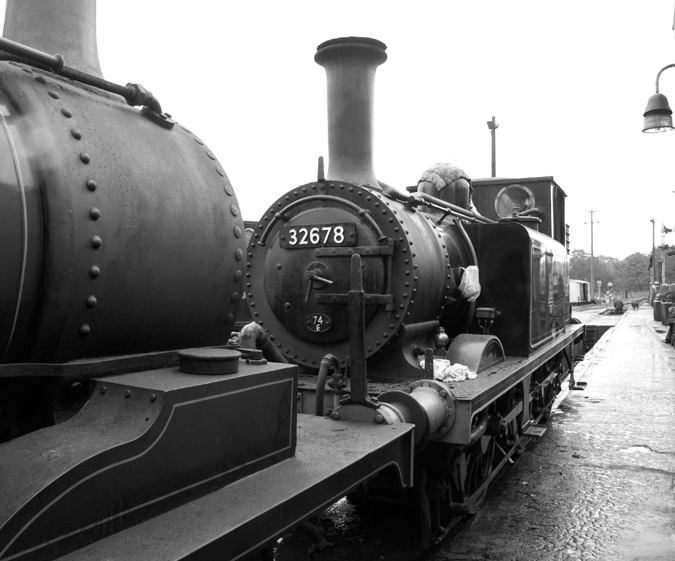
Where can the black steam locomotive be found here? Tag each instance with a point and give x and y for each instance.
(365, 301)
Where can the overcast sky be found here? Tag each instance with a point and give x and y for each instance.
(567, 82)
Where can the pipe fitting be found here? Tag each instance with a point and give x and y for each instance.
(253, 336)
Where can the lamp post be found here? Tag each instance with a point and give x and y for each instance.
(492, 125)
(592, 256)
(658, 118)
(652, 280)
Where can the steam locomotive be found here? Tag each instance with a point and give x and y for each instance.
(189, 445)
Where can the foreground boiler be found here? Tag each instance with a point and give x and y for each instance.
(121, 232)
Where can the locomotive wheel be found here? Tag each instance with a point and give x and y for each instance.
(471, 471)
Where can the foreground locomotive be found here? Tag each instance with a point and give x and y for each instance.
(350, 283)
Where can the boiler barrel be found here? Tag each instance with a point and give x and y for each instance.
(118, 235)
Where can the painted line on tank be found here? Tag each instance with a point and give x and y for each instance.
(144, 452)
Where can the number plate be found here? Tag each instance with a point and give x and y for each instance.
(326, 235)
(318, 323)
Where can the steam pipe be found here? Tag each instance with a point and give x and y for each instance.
(253, 336)
(321, 382)
(135, 94)
(444, 206)
(350, 64)
(481, 426)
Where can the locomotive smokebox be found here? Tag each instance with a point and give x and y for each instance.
(351, 63)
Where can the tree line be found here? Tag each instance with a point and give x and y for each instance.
(631, 274)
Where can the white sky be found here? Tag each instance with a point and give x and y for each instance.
(567, 81)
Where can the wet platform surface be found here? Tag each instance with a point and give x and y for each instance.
(600, 484)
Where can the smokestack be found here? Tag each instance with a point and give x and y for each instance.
(64, 27)
(350, 64)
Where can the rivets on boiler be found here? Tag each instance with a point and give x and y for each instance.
(94, 272)
(91, 185)
(53, 94)
(237, 232)
(220, 170)
(91, 301)
(238, 276)
(234, 298)
(94, 213)
(96, 242)
(66, 113)
(85, 329)
(210, 154)
(234, 210)
(76, 133)
(85, 157)
(239, 254)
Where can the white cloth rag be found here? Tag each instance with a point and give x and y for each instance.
(446, 372)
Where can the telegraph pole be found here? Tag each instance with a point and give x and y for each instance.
(492, 125)
(592, 256)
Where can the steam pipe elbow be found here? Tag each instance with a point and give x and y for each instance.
(253, 336)
(481, 426)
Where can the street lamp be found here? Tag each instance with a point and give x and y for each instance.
(658, 115)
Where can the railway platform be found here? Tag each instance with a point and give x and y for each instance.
(601, 483)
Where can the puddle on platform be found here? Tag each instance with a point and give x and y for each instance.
(637, 450)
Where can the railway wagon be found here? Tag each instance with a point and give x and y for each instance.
(579, 292)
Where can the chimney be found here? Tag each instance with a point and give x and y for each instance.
(350, 64)
(64, 27)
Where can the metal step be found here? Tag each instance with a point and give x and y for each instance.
(535, 430)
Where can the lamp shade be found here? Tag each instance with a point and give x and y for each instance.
(658, 115)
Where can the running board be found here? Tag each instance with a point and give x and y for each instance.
(535, 430)
(581, 386)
